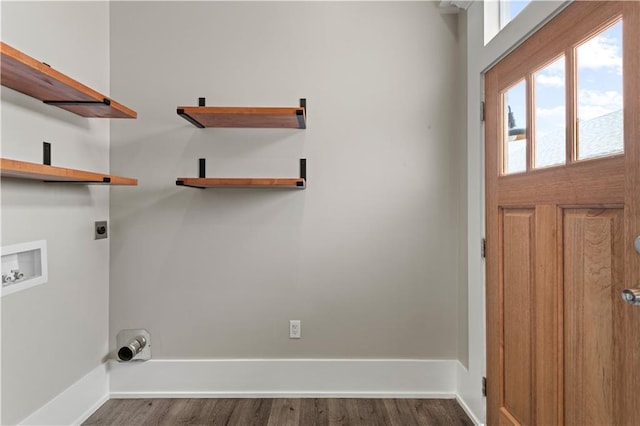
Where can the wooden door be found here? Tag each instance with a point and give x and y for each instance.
(562, 345)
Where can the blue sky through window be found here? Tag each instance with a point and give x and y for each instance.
(516, 7)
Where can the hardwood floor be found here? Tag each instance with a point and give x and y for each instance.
(280, 412)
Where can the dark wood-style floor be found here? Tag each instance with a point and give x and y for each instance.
(280, 412)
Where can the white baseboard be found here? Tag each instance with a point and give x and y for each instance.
(251, 378)
(469, 411)
(469, 394)
(75, 404)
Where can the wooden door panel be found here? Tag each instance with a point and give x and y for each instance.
(506, 419)
(518, 240)
(547, 325)
(592, 276)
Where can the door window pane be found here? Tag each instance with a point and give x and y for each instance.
(515, 113)
(550, 117)
(600, 124)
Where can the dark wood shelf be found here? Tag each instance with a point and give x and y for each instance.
(45, 173)
(25, 74)
(245, 117)
(285, 183)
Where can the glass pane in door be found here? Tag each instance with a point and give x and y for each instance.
(515, 138)
(550, 115)
(600, 121)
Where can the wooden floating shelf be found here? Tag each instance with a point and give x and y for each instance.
(285, 183)
(27, 75)
(45, 173)
(245, 117)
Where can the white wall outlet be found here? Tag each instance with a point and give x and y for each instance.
(294, 329)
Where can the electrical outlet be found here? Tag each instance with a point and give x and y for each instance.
(100, 230)
(294, 329)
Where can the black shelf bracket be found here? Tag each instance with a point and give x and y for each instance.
(202, 173)
(46, 153)
(202, 168)
(46, 160)
(104, 101)
(190, 119)
(301, 115)
(181, 183)
(303, 172)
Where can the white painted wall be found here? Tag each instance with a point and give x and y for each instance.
(56, 333)
(479, 59)
(463, 291)
(366, 257)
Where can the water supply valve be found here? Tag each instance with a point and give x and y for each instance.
(13, 276)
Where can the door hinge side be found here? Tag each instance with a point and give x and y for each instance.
(482, 111)
(483, 248)
(484, 386)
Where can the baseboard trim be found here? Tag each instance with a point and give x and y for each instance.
(469, 395)
(176, 395)
(302, 378)
(75, 404)
(468, 410)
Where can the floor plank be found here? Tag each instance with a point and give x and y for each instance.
(400, 412)
(285, 412)
(219, 411)
(373, 412)
(279, 412)
(314, 412)
(251, 412)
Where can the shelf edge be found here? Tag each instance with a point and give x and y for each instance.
(40, 172)
(274, 183)
(241, 115)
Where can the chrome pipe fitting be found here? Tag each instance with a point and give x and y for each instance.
(132, 348)
(133, 345)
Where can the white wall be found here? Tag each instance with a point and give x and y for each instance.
(54, 334)
(366, 257)
(479, 59)
(463, 292)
